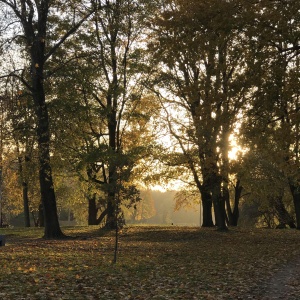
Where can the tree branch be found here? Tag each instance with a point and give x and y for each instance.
(293, 48)
(68, 34)
(12, 74)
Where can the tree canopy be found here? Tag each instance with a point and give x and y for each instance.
(105, 98)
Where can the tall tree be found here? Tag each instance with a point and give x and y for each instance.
(201, 48)
(39, 42)
(115, 93)
(272, 125)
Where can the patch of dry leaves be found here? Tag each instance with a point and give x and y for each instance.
(153, 263)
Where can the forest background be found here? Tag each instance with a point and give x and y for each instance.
(103, 100)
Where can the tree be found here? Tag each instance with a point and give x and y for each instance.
(272, 122)
(202, 82)
(267, 187)
(112, 102)
(2, 148)
(20, 118)
(143, 210)
(39, 42)
(118, 28)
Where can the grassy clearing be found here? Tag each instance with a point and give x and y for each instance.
(153, 263)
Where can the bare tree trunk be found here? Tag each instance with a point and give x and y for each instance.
(206, 210)
(41, 222)
(283, 215)
(26, 204)
(92, 210)
(52, 227)
(296, 197)
(24, 189)
(35, 33)
(219, 203)
(233, 214)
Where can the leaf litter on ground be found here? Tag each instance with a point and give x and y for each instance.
(153, 263)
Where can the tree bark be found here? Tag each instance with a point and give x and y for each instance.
(33, 15)
(92, 211)
(296, 199)
(36, 41)
(283, 215)
(237, 196)
(207, 220)
(26, 204)
(24, 190)
(219, 203)
(111, 222)
(41, 221)
(52, 227)
(229, 213)
(233, 214)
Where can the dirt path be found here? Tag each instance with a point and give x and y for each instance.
(285, 284)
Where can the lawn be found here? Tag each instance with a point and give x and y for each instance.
(153, 263)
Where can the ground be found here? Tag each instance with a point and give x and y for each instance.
(285, 283)
(153, 263)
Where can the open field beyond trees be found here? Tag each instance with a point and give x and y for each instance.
(153, 263)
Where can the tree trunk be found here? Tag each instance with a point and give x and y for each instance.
(35, 33)
(92, 211)
(233, 215)
(206, 210)
(26, 204)
(24, 189)
(111, 215)
(33, 15)
(224, 167)
(296, 198)
(52, 227)
(283, 215)
(211, 189)
(229, 213)
(237, 196)
(113, 145)
(219, 203)
(41, 221)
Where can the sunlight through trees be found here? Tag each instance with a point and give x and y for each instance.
(101, 100)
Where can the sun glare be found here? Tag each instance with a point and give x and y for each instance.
(232, 155)
(236, 149)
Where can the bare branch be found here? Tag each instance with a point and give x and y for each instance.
(67, 35)
(293, 48)
(13, 74)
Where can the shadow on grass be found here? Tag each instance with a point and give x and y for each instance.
(175, 233)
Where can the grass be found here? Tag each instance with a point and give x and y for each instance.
(153, 263)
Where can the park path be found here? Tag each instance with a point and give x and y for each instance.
(285, 284)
